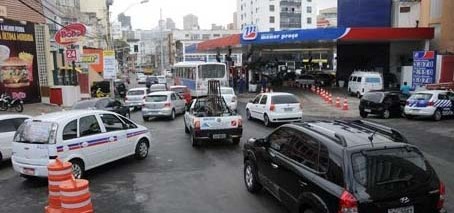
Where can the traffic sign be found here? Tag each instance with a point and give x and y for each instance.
(71, 55)
(110, 66)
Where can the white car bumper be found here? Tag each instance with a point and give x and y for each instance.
(134, 103)
(285, 117)
(419, 111)
(166, 112)
(28, 169)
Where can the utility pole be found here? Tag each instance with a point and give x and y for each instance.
(161, 38)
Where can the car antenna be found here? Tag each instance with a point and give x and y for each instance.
(371, 138)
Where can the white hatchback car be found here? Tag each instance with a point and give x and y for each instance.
(430, 103)
(8, 126)
(275, 108)
(230, 98)
(135, 97)
(85, 138)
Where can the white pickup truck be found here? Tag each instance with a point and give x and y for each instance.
(205, 127)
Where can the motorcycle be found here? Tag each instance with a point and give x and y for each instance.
(7, 102)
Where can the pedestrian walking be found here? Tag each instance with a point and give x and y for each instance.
(264, 83)
(405, 89)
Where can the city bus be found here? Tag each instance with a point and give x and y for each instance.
(195, 76)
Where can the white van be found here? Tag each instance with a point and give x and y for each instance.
(361, 82)
(85, 138)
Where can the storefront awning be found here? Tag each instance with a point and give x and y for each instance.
(233, 41)
(388, 34)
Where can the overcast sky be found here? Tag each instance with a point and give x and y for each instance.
(220, 12)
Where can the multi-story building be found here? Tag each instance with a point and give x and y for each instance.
(327, 17)
(439, 15)
(101, 12)
(277, 15)
(190, 22)
(235, 22)
(170, 24)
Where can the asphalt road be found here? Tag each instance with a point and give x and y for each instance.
(179, 178)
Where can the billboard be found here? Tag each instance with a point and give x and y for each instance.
(18, 63)
(110, 66)
(424, 63)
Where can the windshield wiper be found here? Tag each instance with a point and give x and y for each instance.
(405, 179)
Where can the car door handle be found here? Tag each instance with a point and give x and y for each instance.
(302, 183)
(275, 166)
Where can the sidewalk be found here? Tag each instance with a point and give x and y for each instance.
(314, 105)
(35, 109)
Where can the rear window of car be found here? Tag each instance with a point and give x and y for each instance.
(375, 97)
(226, 91)
(397, 169)
(284, 99)
(421, 96)
(136, 92)
(158, 87)
(372, 80)
(156, 98)
(35, 132)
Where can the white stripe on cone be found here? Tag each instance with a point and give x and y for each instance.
(63, 172)
(76, 205)
(74, 194)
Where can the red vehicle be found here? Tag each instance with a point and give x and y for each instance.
(183, 91)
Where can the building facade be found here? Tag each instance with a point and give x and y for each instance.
(277, 15)
(439, 15)
(190, 22)
(327, 17)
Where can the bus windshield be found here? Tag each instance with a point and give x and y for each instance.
(211, 71)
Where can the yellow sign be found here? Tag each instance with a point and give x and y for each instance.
(89, 59)
(109, 53)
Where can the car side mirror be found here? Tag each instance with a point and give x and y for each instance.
(259, 142)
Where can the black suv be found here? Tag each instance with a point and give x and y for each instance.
(342, 167)
(383, 103)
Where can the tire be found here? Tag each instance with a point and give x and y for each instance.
(251, 178)
(266, 120)
(236, 141)
(3, 106)
(78, 168)
(248, 114)
(386, 114)
(19, 107)
(194, 141)
(363, 114)
(142, 149)
(437, 115)
(145, 118)
(172, 116)
(358, 95)
(409, 117)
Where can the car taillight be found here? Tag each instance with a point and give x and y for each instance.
(431, 103)
(272, 107)
(233, 123)
(441, 200)
(167, 104)
(348, 203)
(196, 124)
(233, 98)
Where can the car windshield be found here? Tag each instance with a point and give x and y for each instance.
(421, 96)
(375, 97)
(284, 99)
(156, 98)
(136, 92)
(84, 105)
(39, 132)
(399, 169)
(227, 91)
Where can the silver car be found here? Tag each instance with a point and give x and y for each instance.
(135, 97)
(163, 104)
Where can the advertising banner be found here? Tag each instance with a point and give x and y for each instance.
(424, 63)
(18, 64)
(110, 66)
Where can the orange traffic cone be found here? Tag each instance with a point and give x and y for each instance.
(330, 99)
(75, 197)
(345, 107)
(338, 103)
(58, 172)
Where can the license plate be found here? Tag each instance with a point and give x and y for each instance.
(367, 110)
(219, 136)
(288, 109)
(29, 171)
(408, 209)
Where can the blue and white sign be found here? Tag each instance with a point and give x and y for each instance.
(289, 36)
(424, 63)
(250, 33)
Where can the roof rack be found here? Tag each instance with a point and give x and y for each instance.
(339, 139)
(388, 132)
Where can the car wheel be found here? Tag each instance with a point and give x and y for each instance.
(250, 177)
(363, 114)
(248, 114)
(236, 141)
(266, 120)
(408, 116)
(172, 116)
(145, 118)
(358, 95)
(437, 115)
(186, 130)
(142, 149)
(194, 141)
(78, 168)
(386, 114)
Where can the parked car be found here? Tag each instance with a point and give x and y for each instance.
(8, 125)
(157, 88)
(361, 82)
(139, 75)
(150, 80)
(229, 97)
(275, 108)
(324, 79)
(142, 79)
(183, 91)
(431, 103)
(342, 166)
(163, 104)
(107, 104)
(86, 138)
(305, 80)
(383, 103)
(135, 97)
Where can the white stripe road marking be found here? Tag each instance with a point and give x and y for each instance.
(74, 194)
(76, 205)
(62, 172)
